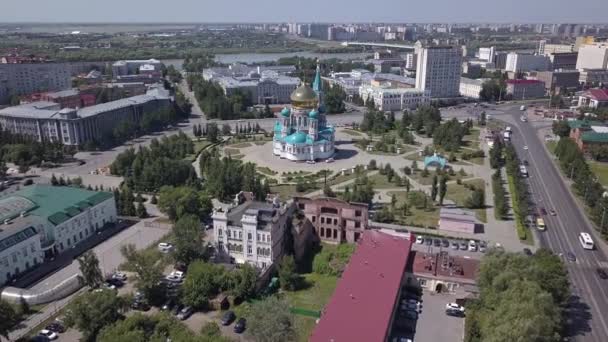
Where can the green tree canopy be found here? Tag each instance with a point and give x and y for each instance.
(92, 311)
(271, 321)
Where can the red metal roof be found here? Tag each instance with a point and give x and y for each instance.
(523, 81)
(598, 94)
(362, 304)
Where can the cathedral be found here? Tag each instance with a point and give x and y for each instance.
(301, 133)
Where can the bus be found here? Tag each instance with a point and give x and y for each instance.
(586, 240)
(540, 224)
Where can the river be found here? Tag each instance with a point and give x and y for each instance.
(252, 58)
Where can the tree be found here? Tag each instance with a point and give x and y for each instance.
(334, 100)
(243, 281)
(158, 327)
(482, 119)
(54, 180)
(288, 278)
(443, 188)
(204, 280)
(153, 200)
(477, 200)
(393, 201)
(561, 128)
(407, 184)
(226, 130)
(271, 321)
(147, 270)
(89, 268)
(328, 192)
(92, 311)
(140, 210)
(188, 239)
(213, 133)
(8, 318)
(434, 188)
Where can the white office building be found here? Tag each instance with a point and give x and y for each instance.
(487, 54)
(518, 62)
(28, 78)
(40, 222)
(45, 121)
(471, 87)
(130, 67)
(394, 99)
(438, 70)
(546, 49)
(253, 232)
(593, 56)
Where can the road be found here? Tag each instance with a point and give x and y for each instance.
(590, 293)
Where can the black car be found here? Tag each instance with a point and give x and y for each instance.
(140, 306)
(436, 242)
(526, 163)
(445, 243)
(570, 257)
(428, 241)
(601, 273)
(240, 325)
(177, 309)
(116, 282)
(454, 313)
(228, 317)
(527, 251)
(55, 327)
(39, 338)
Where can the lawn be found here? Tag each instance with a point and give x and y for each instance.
(472, 139)
(381, 182)
(459, 194)
(416, 217)
(315, 294)
(351, 132)
(404, 149)
(551, 145)
(601, 171)
(240, 145)
(198, 147)
(287, 191)
(231, 151)
(417, 176)
(266, 170)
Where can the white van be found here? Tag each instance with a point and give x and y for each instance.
(586, 240)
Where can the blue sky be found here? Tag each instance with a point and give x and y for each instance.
(304, 10)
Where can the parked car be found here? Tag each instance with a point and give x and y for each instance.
(409, 307)
(120, 276)
(39, 338)
(165, 247)
(436, 242)
(445, 243)
(483, 246)
(48, 334)
(140, 306)
(419, 239)
(455, 245)
(454, 306)
(601, 273)
(527, 251)
(428, 241)
(413, 315)
(542, 211)
(56, 327)
(175, 276)
(240, 325)
(455, 313)
(117, 283)
(472, 246)
(463, 246)
(228, 317)
(552, 212)
(184, 313)
(410, 301)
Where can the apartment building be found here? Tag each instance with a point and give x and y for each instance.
(40, 222)
(27, 78)
(439, 70)
(593, 56)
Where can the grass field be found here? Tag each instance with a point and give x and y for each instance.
(381, 182)
(287, 191)
(417, 217)
(316, 293)
(551, 145)
(240, 145)
(266, 170)
(352, 132)
(231, 151)
(459, 194)
(198, 147)
(601, 171)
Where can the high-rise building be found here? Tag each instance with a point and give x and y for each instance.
(487, 54)
(517, 62)
(27, 78)
(593, 56)
(438, 70)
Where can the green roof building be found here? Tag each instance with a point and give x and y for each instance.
(40, 221)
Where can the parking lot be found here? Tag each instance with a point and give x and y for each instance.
(433, 323)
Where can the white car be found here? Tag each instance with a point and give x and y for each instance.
(419, 240)
(526, 147)
(472, 246)
(454, 306)
(176, 276)
(48, 334)
(330, 160)
(120, 276)
(165, 247)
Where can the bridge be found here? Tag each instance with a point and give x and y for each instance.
(388, 45)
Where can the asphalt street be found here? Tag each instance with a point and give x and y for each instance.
(589, 302)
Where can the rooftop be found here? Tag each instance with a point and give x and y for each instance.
(263, 210)
(63, 93)
(597, 94)
(524, 82)
(53, 203)
(594, 137)
(362, 304)
(442, 265)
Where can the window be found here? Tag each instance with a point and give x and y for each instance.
(24, 251)
(314, 218)
(258, 236)
(357, 213)
(322, 231)
(335, 233)
(249, 250)
(335, 221)
(249, 236)
(219, 232)
(14, 255)
(322, 219)
(357, 224)
(228, 233)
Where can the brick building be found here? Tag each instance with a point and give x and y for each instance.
(335, 221)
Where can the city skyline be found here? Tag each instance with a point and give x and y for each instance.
(337, 11)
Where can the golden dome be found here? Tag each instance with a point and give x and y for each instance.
(304, 96)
